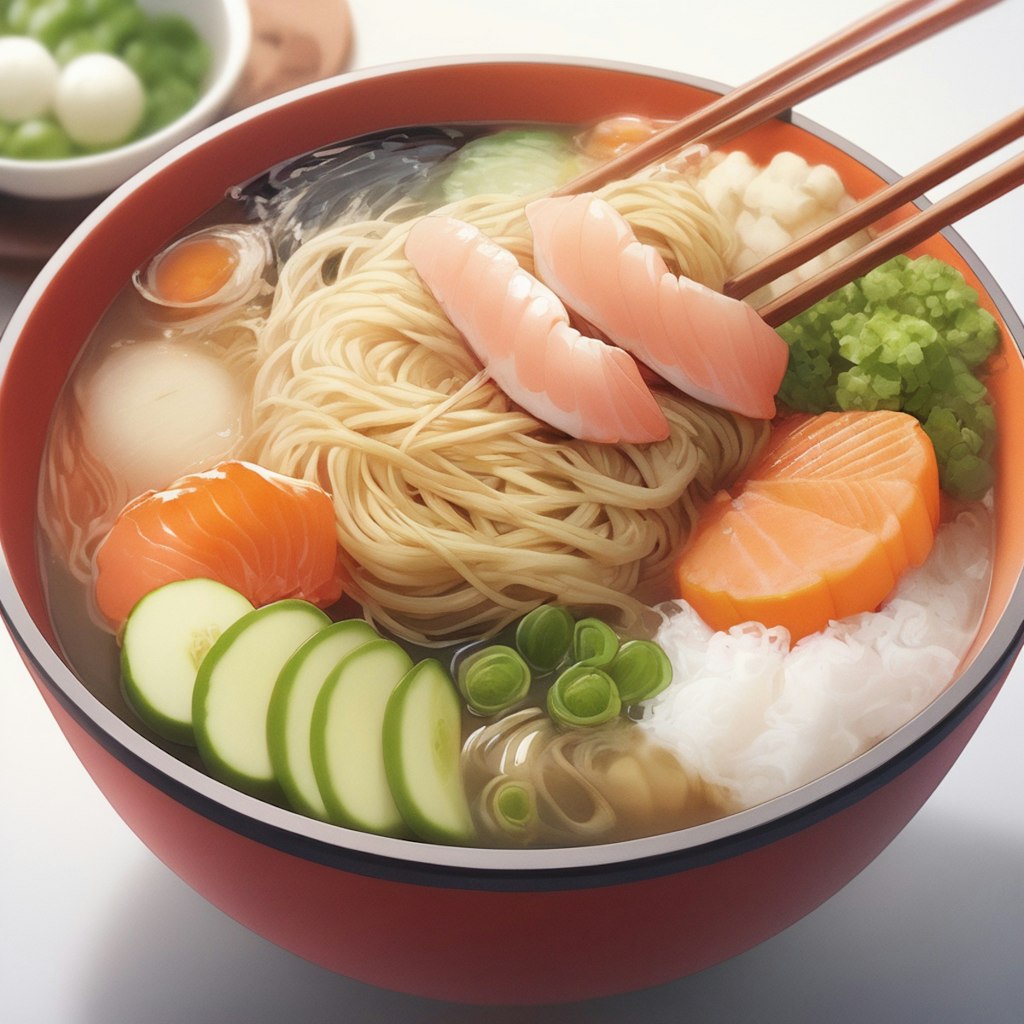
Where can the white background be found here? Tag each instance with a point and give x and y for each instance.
(94, 930)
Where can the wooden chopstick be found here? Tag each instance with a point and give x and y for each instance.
(836, 59)
(1004, 178)
(877, 205)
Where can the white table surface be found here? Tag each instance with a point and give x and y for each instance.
(95, 930)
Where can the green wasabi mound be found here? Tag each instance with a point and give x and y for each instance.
(907, 336)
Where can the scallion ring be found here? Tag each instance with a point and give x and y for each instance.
(544, 635)
(594, 642)
(583, 695)
(511, 806)
(493, 679)
(641, 670)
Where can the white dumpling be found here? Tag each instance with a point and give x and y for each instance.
(28, 78)
(99, 100)
(154, 410)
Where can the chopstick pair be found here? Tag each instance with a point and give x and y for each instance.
(833, 60)
(829, 62)
(908, 233)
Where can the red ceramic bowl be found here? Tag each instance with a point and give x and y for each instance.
(465, 924)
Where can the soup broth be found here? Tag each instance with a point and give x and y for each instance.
(395, 381)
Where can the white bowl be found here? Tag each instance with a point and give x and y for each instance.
(226, 27)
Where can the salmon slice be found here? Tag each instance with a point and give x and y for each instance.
(520, 332)
(836, 510)
(713, 348)
(263, 534)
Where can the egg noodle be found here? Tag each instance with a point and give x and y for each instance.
(457, 512)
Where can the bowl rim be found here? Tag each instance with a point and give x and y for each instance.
(470, 867)
(228, 69)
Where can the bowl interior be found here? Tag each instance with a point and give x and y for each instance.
(49, 329)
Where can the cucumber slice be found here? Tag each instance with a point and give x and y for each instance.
(345, 740)
(422, 748)
(290, 713)
(166, 637)
(233, 688)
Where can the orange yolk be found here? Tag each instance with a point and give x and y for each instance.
(196, 269)
(617, 134)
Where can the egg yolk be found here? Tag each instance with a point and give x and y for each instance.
(194, 270)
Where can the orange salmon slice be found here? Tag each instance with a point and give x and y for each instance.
(834, 512)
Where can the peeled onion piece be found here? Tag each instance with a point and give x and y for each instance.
(207, 274)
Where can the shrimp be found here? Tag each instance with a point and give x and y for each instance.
(713, 348)
(520, 331)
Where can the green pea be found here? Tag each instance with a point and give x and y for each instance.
(38, 139)
(151, 61)
(195, 62)
(75, 44)
(53, 21)
(5, 134)
(123, 24)
(171, 30)
(99, 9)
(19, 14)
(167, 101)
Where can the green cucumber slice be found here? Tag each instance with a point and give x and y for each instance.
(233, 689)
(165, 640)
(290, 713)
(422, 748)
(345, 739)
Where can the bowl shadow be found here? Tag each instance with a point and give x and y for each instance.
(882, 949)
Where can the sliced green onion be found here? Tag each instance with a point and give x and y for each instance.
(641, 670)
(512, 806)
(594, 642)
(493, 679)
(583, 695)
(543, 636)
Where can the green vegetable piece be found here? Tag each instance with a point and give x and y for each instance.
(493, 679)
(594, 642)
(19, 13)
(513, 162)
(511, 805)
(166, 101)
(906, 336)
(544, 635)
(76, 44)
(233, 690)
(641, 670)
(345, 738)
(290, 712)
(152, 62)
(38, 139)
(583, 696)
(120, 25)
(166, 637)
(52, 21)
(422, 748)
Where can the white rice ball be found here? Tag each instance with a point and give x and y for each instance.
(28, 78)
(99, 100)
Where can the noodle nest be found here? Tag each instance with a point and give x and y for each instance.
(457, 511)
